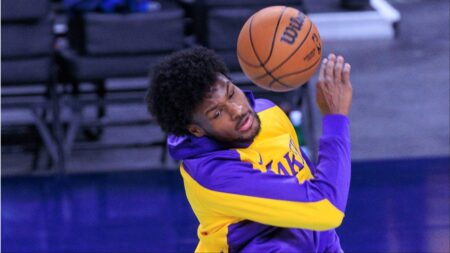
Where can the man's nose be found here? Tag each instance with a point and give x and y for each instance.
(236, 110)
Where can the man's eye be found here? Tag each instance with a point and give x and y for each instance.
(231, 94)
(217, 113)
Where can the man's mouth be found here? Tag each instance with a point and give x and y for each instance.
(245, 123)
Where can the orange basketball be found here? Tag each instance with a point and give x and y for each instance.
(279, 48)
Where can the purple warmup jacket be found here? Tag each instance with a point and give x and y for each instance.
(267, 196)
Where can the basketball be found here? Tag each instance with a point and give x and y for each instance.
(279, 48)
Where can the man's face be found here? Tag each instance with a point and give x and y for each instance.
(225, 114)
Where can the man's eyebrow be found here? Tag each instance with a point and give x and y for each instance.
(228, 84)
(211, 109)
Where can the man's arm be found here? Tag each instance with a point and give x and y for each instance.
(334, 97)
(332, 173)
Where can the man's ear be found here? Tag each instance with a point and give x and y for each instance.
(196, 130)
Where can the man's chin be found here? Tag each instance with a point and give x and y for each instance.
(240, 141)
(254, 132)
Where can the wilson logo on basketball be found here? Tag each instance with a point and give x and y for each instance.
(291, 31)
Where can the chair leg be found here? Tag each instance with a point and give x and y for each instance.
(46, 136)
(41, 158)
(57, 127)
(95, 133)
(35, 165)
(76, 111)
(72, 131)
(101, 92)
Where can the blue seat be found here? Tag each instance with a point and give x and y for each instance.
(27, 64)
(112, 45)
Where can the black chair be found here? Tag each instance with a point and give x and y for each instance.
(216, 24)
(105, 46)
(28, 72)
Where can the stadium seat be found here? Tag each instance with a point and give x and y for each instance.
(27, 73)
(114, 45)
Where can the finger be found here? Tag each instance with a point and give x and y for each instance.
(329, 75)
(322, 70)
(346, 73)
(338, 68)
(331, 57)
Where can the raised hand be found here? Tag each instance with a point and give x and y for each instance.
(334, 88)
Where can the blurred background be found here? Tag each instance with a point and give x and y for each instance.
(84, 168)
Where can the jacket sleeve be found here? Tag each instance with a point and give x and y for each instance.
(229, 187)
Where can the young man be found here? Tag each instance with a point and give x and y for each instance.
(246, 178)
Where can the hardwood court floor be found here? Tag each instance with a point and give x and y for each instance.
(394, 206)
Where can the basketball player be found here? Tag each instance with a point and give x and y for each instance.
(246, 178)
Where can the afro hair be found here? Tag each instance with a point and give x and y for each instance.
(179, 84)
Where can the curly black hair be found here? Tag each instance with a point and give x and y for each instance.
(179, 84)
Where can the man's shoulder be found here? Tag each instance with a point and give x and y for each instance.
(209, 161)
(211, 168)
(262, 104)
